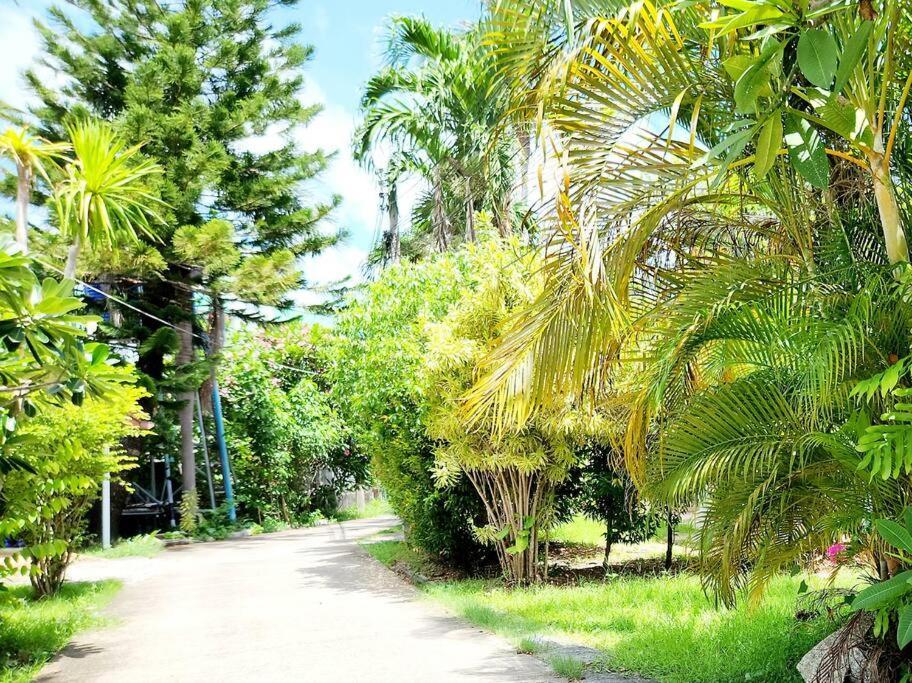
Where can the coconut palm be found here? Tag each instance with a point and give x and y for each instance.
(30, 154)
(104, 197)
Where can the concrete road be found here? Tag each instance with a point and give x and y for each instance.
(305, 605)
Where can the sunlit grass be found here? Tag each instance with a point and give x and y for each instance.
(33, 631)
(664, 627)
(146, 545)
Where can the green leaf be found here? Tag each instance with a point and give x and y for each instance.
(768, 145)
(755, 80)
(818, 55)
(852, 53)
(895, 534)
(904, 630)
(807, 152)
(882, 592)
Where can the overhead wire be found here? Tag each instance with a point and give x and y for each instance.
(151, 316)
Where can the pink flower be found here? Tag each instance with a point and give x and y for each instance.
(834, 550)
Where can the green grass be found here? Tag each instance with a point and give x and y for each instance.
(33, 631)
(580, 530)
(568, 667)
(391, 552)
(374, 508)
(147, 545)
(664, 628)
(584, 531)
(528, 646)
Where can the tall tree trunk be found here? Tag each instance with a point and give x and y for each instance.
(216, 344)
(23, 190)
(470, 212)
(605, 562)
(441, 224)
(392, 211)
(669, 538)
(885, 196)
(525, 144)
(72, 259)
(185, 415)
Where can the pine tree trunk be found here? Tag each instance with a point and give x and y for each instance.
(185, 414)
(392, 210)
(72, 259)
(23, 187)
(216, 344)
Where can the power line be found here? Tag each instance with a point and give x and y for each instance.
(120, 301)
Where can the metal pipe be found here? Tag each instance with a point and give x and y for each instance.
(223, 449)
(106, 511)
(202, 428)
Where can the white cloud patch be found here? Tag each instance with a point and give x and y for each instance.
(21, 45)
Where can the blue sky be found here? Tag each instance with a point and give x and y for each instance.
(348, 36)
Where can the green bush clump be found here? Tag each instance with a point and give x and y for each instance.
(375, 367)
(291, 450)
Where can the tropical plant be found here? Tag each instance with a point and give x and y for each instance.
(66, 451)
(514, 472)
(439, 106)
(697, 271)
(375, 363)
(30, 154)
(104, 199)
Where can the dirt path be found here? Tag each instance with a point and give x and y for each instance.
(306, 605)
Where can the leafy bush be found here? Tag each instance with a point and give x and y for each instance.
(290, 449)
(68, 450)
(600, 488)
(514, 471)
(375, 366)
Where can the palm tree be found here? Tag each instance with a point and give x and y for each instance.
(30, 154)
(723, 253)
(103, 197)
(438, 105)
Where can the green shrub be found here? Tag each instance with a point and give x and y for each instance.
(69, 450)
(290, 448)
(375, 362)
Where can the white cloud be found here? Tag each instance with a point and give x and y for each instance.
(20, 46)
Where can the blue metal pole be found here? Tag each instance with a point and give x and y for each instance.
(223, 449)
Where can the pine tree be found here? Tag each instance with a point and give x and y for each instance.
(192, 81)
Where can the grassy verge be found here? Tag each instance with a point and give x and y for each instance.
(374, 508)
(391, 553)
(147, 545)
(584, 531)
(662, 627)
(33, 631)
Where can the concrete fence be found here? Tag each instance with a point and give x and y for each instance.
(359, 498)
